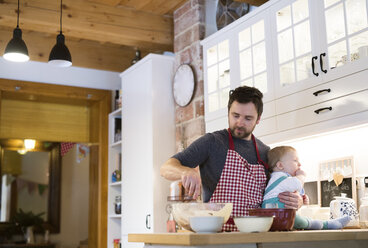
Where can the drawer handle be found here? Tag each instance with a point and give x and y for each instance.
(321, 61)
(321, 91)
(322, 109)
(148, 216)
(313, 59)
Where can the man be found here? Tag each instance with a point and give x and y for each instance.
(231, 162)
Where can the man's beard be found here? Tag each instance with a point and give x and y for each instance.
(242, 134)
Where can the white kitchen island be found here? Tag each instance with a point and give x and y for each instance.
(347, 238)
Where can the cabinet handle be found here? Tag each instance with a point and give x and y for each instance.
(320, 91)
(321, 61)
(313, 59)
(148, 216)
(322, 109)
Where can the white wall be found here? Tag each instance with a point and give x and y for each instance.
(74, 201)
(72, 76)
(331, 146)
(35, 168)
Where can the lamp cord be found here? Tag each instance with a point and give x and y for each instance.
(61, 15)
(18, 16)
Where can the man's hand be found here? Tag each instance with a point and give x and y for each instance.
(172, 170)
(191, 181)
(291, 199)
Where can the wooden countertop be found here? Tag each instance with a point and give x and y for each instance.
(190, 239)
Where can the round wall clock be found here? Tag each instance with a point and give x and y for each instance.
(184, 85)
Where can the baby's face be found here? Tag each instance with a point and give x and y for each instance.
(290, 163)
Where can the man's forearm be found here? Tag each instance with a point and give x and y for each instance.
(172, 169)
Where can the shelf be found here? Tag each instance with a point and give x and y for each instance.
(115, 144)
(115, 216)
(115, 184)
(116, 113)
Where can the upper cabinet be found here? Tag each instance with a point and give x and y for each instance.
(218, 76)
(299, 53)
(317, 41)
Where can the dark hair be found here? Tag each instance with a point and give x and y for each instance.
(246, 94)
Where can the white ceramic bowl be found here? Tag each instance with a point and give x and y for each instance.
(250, 224)
(206, 224)
(183, 211)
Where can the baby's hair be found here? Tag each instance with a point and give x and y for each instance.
(275, 154)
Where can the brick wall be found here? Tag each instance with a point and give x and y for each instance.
(189, 30)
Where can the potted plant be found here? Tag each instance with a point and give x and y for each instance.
(26, 222)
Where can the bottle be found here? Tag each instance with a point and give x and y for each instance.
(137, 57)
(117, 204)
(116, 99)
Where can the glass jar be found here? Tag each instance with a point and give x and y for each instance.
(117, 204)
(363, 212)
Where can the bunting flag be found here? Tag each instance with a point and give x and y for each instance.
(31, 186)
(65, 147)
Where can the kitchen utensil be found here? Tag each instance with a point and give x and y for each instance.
(183, 211)
(344, 206)
(250, 224)
(283, 218)
(363, 212)
(206, 224)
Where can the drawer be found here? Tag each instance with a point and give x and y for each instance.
(325, 92)
(343, 106)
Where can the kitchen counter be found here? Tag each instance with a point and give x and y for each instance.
(321, 238)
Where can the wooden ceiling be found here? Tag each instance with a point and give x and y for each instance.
(100, 34)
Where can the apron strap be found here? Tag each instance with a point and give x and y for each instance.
(274, 184)
(231, 141)
(260, 161)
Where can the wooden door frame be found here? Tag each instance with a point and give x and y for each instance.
(99, 102)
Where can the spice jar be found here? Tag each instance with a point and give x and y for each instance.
(117, 204)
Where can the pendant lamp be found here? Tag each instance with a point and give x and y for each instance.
(16, 50)
(60, 55)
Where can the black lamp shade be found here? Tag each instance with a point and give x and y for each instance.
(60, 55)
(16, 50)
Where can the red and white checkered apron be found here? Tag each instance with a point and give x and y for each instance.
(241, 183)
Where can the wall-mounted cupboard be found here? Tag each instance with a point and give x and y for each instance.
(309, 59)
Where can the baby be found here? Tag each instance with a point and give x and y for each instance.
(287, 176)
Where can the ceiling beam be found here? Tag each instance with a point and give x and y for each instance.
(93, 21)
(85, 53)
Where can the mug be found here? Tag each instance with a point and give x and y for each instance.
(363, 51)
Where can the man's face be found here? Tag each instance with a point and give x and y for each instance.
(243, 118)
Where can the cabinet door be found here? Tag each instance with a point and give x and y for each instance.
(254, 49)
(137, 149)
(217, 78)
(296, 48)
(344, 35)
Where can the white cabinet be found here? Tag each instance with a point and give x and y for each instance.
(148, 140)
(240, 56)
(309, 58)
(317, 41)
